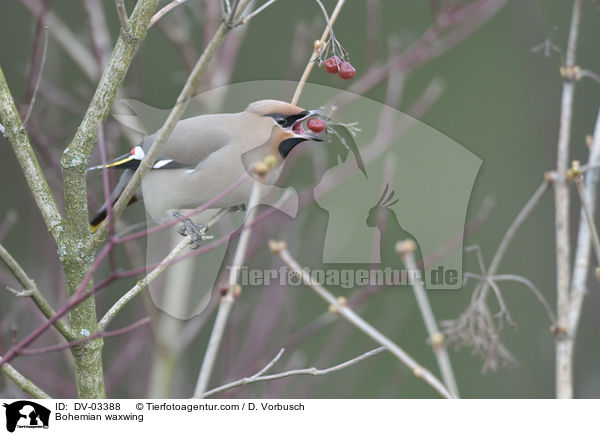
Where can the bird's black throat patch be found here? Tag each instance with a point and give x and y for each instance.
(287, 145)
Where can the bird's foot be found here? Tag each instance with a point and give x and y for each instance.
(197, 232)
(238, 208)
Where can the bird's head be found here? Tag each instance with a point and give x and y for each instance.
(290, 120)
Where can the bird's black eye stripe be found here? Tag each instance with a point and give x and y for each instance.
(287, 121)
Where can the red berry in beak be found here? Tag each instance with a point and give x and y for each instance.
(346, 71)
(316, 125)
(331, 64)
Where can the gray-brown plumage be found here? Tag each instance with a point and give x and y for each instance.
(206, 154)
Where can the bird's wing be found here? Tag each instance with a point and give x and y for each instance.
(192, 141)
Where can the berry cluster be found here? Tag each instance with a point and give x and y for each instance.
(331, 54)
(344, 69)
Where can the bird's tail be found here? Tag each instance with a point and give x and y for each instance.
(126, 161)
(100, 216)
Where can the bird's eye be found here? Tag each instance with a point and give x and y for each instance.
(280, 121)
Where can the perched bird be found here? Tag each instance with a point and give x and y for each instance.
(206, 154)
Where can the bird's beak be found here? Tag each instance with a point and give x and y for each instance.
(298, 130)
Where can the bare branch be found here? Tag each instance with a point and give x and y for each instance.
(514, 227)
(340, 307)
(444, 34)
(564, 345)
(32, 291)
(76, 156)
(28, 161)
(480, 261)
(99, 32)
(255, 12)
(140, 285)
(75, 247)
(310, 65)
(99, 334)
(504, 313)
(407, 252)
(72, 45)
(226, 5)
(589, 74)
(266, 368)
(582, 255)
(164, 11)
(122, 13)
(38, 80)
(537, 293)
(310, 371)
(587, 212)
(25, 384)
(227, 300)
(475, 326)
(169, 125)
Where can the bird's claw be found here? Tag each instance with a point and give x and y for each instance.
(238, 208)
(196, 232)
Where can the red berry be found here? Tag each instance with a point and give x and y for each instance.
(347, 71)
(331, 64)
(316, 125)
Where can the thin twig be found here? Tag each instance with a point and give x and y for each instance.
(75, 49)
(122, 13)
(480, 261)
(504, 313)
(98, 334)
(152, 275)
(32, 291)
(310, 65)
(564, 345)
(76, 155)
(481, 290)
(100, 36)
(228, 299)
(164, 11)
(309, 371)
(36, 53)
(536, 292)
(589, 167)
(514, 227)
(590, 74)
(140, 285)
(169, 125)
(227, 7)
(359, 298)
(266, 368)
(582, 255)
(35, 334)
(438, 39)
(587, 212)
(28, 161)
(38, 80)
(436, 338)
(340, 307)
(257, 11)
(77, 251)
(25, 384)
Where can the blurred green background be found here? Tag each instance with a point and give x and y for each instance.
(500, 101)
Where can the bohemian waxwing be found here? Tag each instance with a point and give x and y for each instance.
(206, 154)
